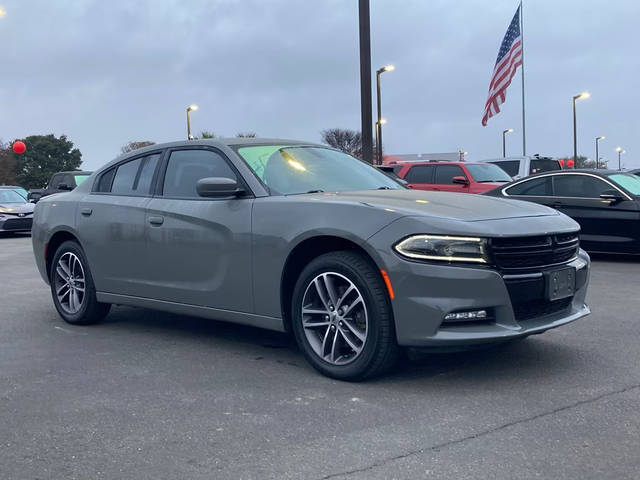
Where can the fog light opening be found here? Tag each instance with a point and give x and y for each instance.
(467, 316)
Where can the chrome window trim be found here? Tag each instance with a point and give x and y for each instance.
(606, 180)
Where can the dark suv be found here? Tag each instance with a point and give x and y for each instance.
(60, 182)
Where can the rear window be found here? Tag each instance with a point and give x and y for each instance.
(543, 165)
(512, 167)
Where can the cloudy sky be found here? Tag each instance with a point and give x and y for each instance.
(106, 72)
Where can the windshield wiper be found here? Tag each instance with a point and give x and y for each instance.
(315, 191)
(384, 188)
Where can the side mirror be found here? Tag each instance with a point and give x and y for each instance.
(612, 195)
(64, 186)
(218, 187)
(460, 180)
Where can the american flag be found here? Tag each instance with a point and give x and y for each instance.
(509, 59)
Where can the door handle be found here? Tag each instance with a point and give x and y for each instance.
(86, 211)
(156, 220)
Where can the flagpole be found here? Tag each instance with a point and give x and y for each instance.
(524, 131)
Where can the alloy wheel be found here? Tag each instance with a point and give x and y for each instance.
(334, 318)
(70, 283)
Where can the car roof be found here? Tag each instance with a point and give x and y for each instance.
(432, 162)
(9, 186)
(75, 172)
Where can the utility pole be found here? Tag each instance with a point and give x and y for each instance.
(365, 80)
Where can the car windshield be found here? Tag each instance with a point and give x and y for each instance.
(9, 196)
(80, 178)
(488, 172)
(289, 170)
(627, 181)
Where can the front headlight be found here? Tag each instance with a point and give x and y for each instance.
(445, 248)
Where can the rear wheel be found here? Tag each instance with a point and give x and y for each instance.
(72, 288)
(342, 317)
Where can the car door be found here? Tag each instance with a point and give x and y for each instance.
(420, 177)
(606, 225)
(199, 249)
(443, 178)
(111, 225)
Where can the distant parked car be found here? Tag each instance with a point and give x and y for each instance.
(520, 167)
(16, 214)
(15, 188)
(61, 182)
(461, 177)
(606, 204)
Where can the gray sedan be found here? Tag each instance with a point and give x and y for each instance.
(298, 237)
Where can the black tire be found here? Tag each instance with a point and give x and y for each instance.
(90, 311)
(380, 350)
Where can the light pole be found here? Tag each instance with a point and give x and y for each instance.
(190, 108)
(620, 151)
(364, 23)
(597, 157)
(461, 154)
(504, 141)
(378, 131)
(575, 139)
(379, 123)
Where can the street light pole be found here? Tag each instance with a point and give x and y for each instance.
(504, 141)
(575, 138)
(365, 80)
(190, 108)
(597, 157)
(620, 150)
(379, 123)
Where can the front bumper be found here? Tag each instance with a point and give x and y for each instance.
(425, 293)
(13, 223)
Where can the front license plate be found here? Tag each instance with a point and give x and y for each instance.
(561, 283)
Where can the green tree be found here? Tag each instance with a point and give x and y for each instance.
(133, 145)
(8, 165)
(45, 155)
(207, 134)
(581, 162)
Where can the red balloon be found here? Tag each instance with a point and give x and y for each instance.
(570, 163)
(19, 147)
(561, 162)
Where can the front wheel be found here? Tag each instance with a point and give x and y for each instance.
(342, 317)
(72, 288)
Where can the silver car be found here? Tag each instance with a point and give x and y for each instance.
(302, 238)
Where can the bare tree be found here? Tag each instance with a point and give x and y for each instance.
(133, 145)
(246, 135)
(8, 165)
(348, 141)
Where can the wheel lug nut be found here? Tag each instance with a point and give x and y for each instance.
(326, 317)
(331, 307)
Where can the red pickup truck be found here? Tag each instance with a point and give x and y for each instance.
(462, 177)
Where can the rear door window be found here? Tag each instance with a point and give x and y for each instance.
(125, 177)
(420, 174)
(445, 174)
(537, 187)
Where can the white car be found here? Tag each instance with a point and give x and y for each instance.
(520, 167)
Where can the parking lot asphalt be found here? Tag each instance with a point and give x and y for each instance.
(151, 395)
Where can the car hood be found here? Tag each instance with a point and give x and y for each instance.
(458, 206)
(14, 208)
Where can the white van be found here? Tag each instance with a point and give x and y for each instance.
(520, 167)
